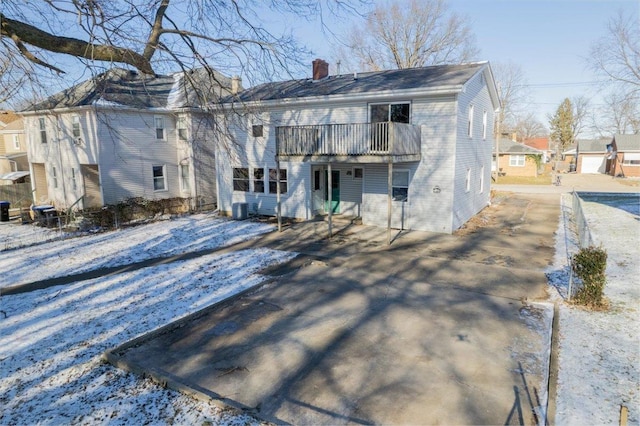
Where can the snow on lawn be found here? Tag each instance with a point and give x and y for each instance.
(115, 248)
(51, 340)
(599, 352)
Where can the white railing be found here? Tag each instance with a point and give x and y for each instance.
(386, 138)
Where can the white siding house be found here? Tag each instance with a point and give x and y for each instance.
(121, 135)
(430, 128)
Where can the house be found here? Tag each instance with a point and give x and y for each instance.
(518, 159)
(14, 166)
(122, 135)
(542, 144)
(623, 156)
(590, 155)
(408, 148)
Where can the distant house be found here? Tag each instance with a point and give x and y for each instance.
(14, 166)
(518, 159)
(590, 155)
(623, 156)
(121, 135)
(411, 147)
(541, 144)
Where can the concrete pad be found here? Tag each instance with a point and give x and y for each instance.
(431, 330)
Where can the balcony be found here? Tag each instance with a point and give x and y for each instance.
(349, 143)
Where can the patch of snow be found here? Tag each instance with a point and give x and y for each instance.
(51, 340)
(599, 352)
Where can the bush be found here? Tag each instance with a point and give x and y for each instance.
(589, 264)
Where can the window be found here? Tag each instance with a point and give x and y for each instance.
(481, 189)
(516, 160)
(470, 122)
(74, 183)
(159, 178)
(316, 180)
(258, 180)
(400, 185)
(484, 125)
(43, 130)
(181, 124)
(184, 177)
(273, 179)
(75, 126)
(631, 159)
(241, 179)
(16, 142)
(468, 180)
(159, 123)
(257, 130)
(54, 175)
(358, 172)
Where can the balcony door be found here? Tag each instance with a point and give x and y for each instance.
(380, 115)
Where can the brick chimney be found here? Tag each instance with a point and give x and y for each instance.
(320, 69)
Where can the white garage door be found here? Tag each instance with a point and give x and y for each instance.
(594, 164)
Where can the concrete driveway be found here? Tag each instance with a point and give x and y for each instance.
(434, 329)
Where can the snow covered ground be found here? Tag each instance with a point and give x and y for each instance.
(599, 352)
(51, 340)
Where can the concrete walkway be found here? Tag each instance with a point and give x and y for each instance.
(432, 329)
(576, 182)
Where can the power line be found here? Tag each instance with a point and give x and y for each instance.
(566, 84)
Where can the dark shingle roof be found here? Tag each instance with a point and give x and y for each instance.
(627, 142)
(507, 146)
(593, 145)
(403, 79)
(128, 88)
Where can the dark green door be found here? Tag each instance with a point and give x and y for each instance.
(335, 191)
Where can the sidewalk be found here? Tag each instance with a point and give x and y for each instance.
(575, 182)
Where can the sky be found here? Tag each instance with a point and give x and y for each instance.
(549, 39)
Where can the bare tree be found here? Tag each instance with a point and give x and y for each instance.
(397, 35)
(620, 114)
(528, 126)
(514, 94)
(152, 36)
(617, 54)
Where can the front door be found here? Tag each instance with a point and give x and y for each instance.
(335, 191)
(318, 189)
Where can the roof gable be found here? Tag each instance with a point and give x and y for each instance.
(507, 146)
(627, 142)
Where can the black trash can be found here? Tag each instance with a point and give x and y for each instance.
(4, 211)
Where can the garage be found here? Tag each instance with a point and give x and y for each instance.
(593, 164)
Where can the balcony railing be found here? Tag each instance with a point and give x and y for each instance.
(349, 140)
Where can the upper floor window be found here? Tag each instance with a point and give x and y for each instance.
(54, 175)
(484, 124)
(42, 125)
(75, 126)
(159, 123)
(257, 130)
(16, 142)
(398, 113)
(470, 122)
(468, 181)
(181, 124)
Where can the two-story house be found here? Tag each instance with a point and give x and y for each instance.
(14, 166)
(122, 135)
(408, 148)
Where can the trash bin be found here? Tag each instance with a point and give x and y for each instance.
(44, 215)
(4, 211)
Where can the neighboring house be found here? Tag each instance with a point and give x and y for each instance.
(591, 155)
(623, 156)
(122, 135)
(412, 146)
(518, 159)
(542, 144)
(14, 165)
